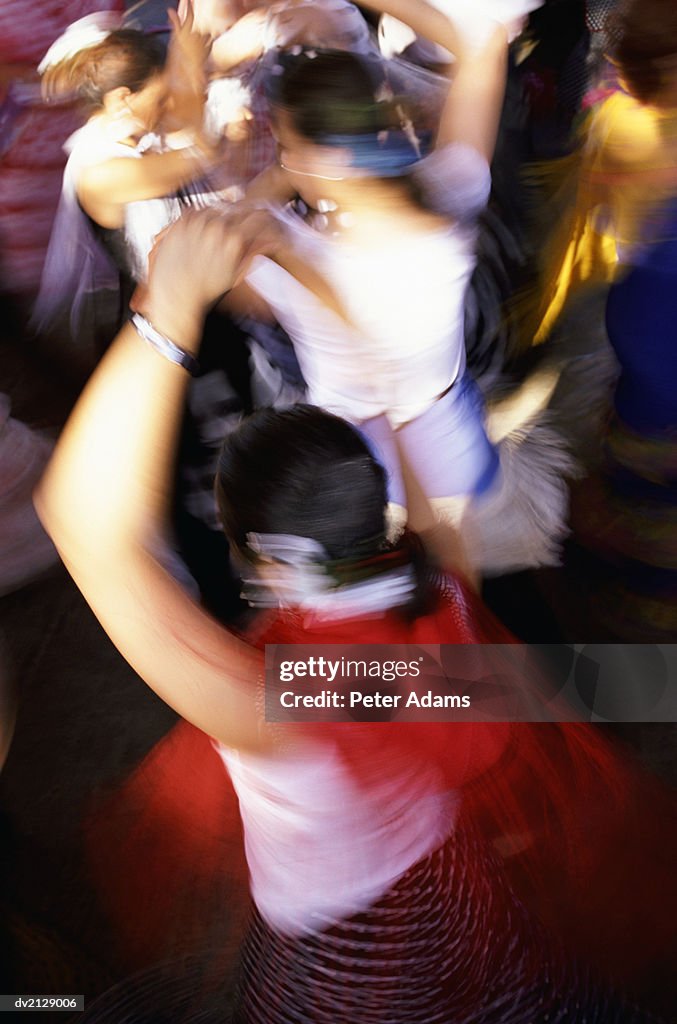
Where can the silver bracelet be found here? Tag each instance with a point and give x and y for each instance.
(164, 346)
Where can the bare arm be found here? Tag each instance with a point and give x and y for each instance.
(104, 498)
(425, 20)
(442, 541)
(185, 72)
(105, 189)
(243, 42)
(472, 110)
(473, 106)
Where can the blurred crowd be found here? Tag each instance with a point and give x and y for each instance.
(402, 278)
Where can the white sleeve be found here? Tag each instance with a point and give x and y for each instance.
(474, 21)
(456, 181)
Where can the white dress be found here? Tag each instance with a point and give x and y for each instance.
(312, 858)
(405, 299)
(402, 368)
(79, 266)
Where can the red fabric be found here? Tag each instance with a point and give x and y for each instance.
(166, 855)
(587, 837)
(456, 616)
(166, 850)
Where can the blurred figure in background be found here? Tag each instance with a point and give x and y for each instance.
(121, 180)
(126, 179)
(31, 166)
(31, 138)
(626, 517)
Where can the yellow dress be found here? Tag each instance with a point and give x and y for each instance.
(623, 173)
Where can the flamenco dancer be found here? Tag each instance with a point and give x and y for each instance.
(376, 898)
(245, 39)
(394, 235)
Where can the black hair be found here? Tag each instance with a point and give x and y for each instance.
(305, 472)
(331, 92)
(124, 58)
(645, 46)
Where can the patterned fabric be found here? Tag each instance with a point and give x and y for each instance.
(597, 13)
(448, 943)
(627, 517)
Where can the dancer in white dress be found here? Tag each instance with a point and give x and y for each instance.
(395, 236)
(120, 182)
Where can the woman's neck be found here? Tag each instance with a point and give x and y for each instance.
(371, 211)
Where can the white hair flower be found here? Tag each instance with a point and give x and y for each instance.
(81, 35)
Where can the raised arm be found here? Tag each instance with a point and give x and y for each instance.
(104, 499)
(442, 541)
(241, 43)
(473, 106)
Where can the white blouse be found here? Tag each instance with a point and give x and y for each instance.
(324, 841)
(405, 299)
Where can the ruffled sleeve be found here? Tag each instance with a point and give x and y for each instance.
(456, 181)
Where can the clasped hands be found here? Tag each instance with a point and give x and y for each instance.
(198, 259)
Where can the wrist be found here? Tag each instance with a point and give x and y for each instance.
(163, 345)
(181, 322)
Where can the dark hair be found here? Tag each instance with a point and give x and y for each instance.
(331, 92)
(301, 471)
(124, 58)
(645, 46)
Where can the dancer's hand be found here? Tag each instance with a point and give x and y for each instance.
(201, 257)
(193, 263)
(186, 72)
(188, 47)
(264, 233)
